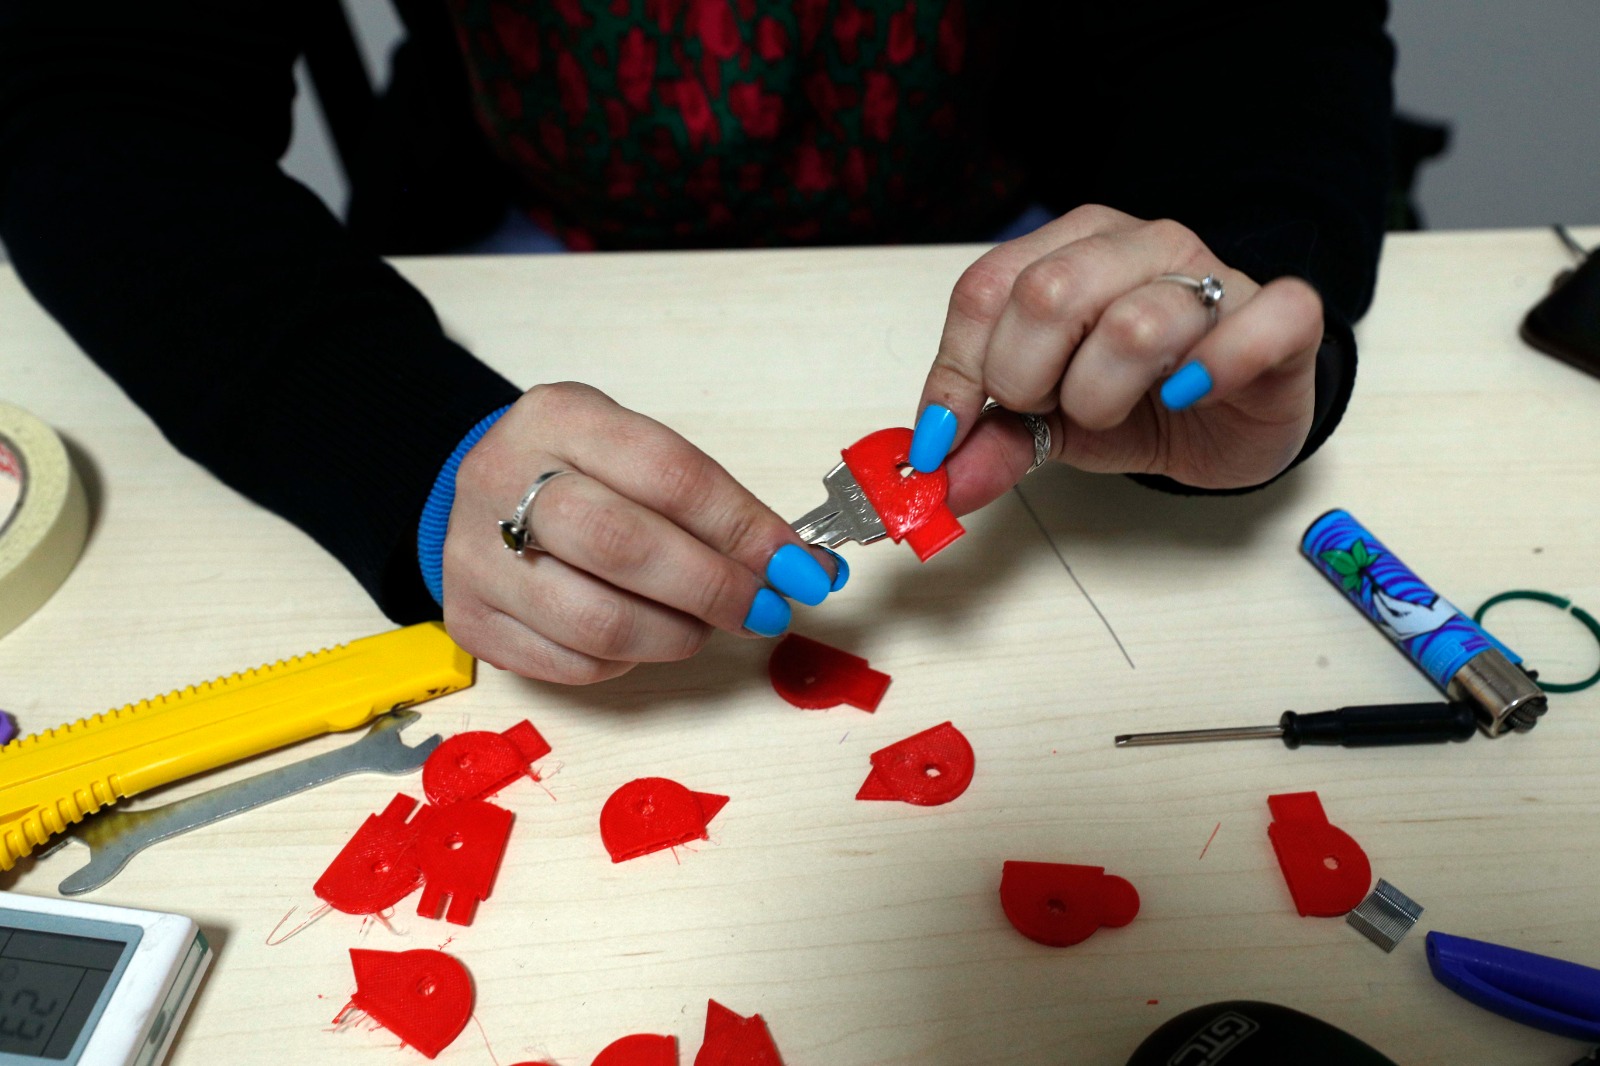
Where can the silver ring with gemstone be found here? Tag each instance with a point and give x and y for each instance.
(515, 531)
(1035, 425)
(1208, 290)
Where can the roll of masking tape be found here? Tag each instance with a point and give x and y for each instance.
(44, 515)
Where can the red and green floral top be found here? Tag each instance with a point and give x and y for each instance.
(737, 122)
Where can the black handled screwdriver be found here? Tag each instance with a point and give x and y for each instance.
(1372, 726)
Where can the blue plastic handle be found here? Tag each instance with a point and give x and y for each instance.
(1550, 994)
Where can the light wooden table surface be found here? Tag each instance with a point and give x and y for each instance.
(872, 932)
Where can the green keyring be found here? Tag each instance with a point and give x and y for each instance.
(1579, 613)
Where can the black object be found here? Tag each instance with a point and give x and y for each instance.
(1566, 323)
(1243, 1032)
(1381, 725)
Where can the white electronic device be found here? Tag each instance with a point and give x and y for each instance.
(82, 984)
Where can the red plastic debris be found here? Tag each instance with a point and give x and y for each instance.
(1059, 904)
(911, 505)
(378, 867)
(733, 1040)
(459, 848)
(424, 997)
(1327, 871)
(640, 1049)
(476, 765)
(812, 675)
(930, 768)
(653, 813)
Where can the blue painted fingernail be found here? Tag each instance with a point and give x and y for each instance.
(796, 573)
(841, 574)
(769, 614)
(936, 431)
(1182, 389)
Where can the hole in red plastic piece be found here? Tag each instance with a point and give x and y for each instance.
(378, 867)
(655, 813)
(424, 997)
(1327, 872)
(912, 506)
(476, 765)
(732, 1040)
(459, 849)
(640, 1049)
(1059, 904)
(932, 767)
(814, 676)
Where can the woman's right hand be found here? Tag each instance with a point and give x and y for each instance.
(646, 550)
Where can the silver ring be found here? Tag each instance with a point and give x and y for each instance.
(1208, 290)
(1036, 425)
(515, 531)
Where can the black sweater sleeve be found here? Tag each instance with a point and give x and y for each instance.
(142, 204)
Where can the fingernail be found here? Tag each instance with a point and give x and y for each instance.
(796, 573)
(842, 574)
(769, 614)
(1182, 389)
(936, 431)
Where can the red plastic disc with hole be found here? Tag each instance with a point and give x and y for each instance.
(932, 767)
(640, 1049)
(476, 765)
(424, 997)
(654, 813)
(813, 676)
(459, 848)
(1327, 872)
(911, 505)
(378, 867)
(1059, 904)
(733, 1040)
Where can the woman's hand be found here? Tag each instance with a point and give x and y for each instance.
(647, 549)
(1071, 322)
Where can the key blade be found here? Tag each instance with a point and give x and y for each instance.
(857, 517)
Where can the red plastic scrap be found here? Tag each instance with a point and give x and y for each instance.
(733, 1040)
(911, 505)
(459, 848)
(640, 1049)
(424, 997)
(1327, 871)
(378, 867)
(478, 764)
(654, 813)
(932, 767)
(811, 675)
(1059, 904)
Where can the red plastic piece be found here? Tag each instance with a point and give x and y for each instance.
(812, 675)
(1327, 871)
(476, 765)
(733, 1040)
(424, 997)
(1059, 904)
(930, 768)
(378, 867)
(640, 1049)
(653, 813)
(459, 848)
(911, 505)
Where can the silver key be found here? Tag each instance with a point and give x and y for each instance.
(847, 515)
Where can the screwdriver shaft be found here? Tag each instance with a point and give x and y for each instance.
(1193, 736)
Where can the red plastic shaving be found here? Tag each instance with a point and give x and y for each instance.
(476, 765)
(654, 813)
(423, 997)
(459, 848)
(378, 867)
(1327, 871)
(1059, 904)
(732, 1040)
(911, 505)
(640, 1049)
(812, 675)
(930, 768)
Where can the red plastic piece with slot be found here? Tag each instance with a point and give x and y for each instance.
(459, 848)
(1327, 871)
(378, 867)
(424, 997)
(1059, 904)
(811, 675)
(654, 813)
(912, 506)
(927, 769)
(733, 1040)
(476, 765)
(640, 1049)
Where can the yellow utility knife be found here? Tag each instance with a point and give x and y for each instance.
(62, 775)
